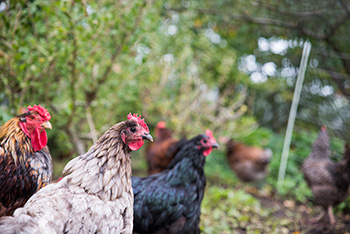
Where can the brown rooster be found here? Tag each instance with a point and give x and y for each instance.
(160, 153)
(95, 196)
(25, 161)
(248, 162)
(328, 181)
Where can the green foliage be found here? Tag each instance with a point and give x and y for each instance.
(218, 171)
(222, 209)
(225, 210)
(86, 58)
(4, 114)
(64, 55)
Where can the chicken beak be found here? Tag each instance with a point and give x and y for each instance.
(47, 124)
(147, 137)
(215, 145)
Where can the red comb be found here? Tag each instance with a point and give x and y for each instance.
(138, 120)
(161, 124)
(41, 111)
(324, 128)
(210, 135)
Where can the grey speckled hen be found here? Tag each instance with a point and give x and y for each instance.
(328, 181)
(96, 194)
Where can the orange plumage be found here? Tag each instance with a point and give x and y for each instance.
(25, 161)
(248, 162)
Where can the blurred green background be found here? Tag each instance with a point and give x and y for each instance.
(230, 66)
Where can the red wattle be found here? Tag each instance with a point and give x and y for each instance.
(39, 139)
(135, 145)
(207, 151)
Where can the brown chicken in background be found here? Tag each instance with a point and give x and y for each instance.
(248, 162)
(328, 181)
(25, 160)
(160, 153)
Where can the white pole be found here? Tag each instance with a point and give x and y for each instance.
(293, 111)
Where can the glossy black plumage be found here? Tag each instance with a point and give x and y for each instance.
(170, 201)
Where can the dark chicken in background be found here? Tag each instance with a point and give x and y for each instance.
(329, 181)
(170, 201)
(160, 153)
(249, 163)
(25, 160)
(96, 194)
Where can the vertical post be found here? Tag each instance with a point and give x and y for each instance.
(293, 111)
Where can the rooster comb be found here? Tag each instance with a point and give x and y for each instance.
(138, 120)
(210, 135)
(161, 124)
(41, 111)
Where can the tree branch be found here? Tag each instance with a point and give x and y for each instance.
(92, 93)
(124, 39)
(345, 6)
(76, 142)
(277, 9)
(72, 65)
(91, 123)
(263, 21)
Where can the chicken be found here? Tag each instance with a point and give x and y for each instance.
(95, 196)
(328, 181)
(249, 163)
(170, 201)
(160, 153)
(25, 160)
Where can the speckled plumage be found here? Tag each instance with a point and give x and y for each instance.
(328, 181)
(23, 171)
(94, 197)
(170, 201)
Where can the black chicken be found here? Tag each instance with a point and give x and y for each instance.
(170, 201)
(328, 181)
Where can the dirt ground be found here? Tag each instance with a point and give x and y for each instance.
(303, 215)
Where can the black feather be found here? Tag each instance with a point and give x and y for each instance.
(170, 201)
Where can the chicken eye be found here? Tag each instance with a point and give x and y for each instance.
(205, 141)
(31, 117)
(132, 129)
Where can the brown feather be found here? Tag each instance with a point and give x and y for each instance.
(160, 153)
(248, 162)
(20, 175)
